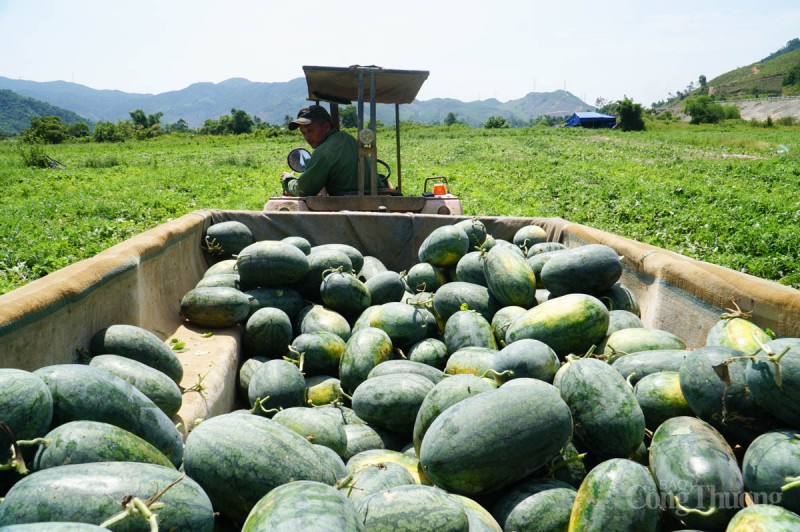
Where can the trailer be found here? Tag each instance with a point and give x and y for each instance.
(141, 281)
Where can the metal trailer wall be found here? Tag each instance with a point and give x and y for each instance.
(142, 280)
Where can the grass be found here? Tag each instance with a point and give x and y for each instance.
(716, 193)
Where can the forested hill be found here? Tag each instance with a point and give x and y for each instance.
(272, 102)
(16, 112)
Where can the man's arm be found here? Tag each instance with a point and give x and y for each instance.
(310, 182)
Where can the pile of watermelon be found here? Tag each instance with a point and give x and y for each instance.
(494, 385)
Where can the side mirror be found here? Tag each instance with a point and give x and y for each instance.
(298, 158)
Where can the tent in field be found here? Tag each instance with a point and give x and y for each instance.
(591, 120)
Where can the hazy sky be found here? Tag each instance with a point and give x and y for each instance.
(473, 49)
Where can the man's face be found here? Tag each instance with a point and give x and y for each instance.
(315, 132)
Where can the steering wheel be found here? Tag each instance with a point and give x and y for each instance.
(386, 166)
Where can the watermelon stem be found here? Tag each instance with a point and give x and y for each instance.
(212, 247)
(343, 394)
(258, 407)
(564, 463)
(17, 461)
(735, 312)
(198, 386)
(135, 506)
(496, 374)
(300, 358)
(771, 356)
(791, 482)
(704, 513)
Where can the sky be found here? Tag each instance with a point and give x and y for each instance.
(473, 49)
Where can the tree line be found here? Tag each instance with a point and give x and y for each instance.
(140, 126)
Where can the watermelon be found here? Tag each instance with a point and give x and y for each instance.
(529, 235)
(637, 339)
(737, 333)
(315, 318)
(617, 494)
(764, 517)
(509, 278)
(472, 447)
(475, 230)
(780, 397)
(320, 261)
(424, 277)
(543, 502)
(344, 293)
(268, 332)
(299, 242)
(469, 269)
(412, 509)
(568, 324)
(157, 386)
(405, 324)
(215, 306)
(608, 419)
(526, 358)
(303, 505)
(770, 469)
(374, 478)
(442, 396)
(453, 296)
(391, 401)
(83, 442)
(429, 351)
(393, 367)
(26, 405)
(696, 472)
(95, 492)
(288, 300)
(321, 350)
(271, 263)
(588, 269)
(714, 383)
(444, 246)
(276, 384)
(371, 267)
(364, 350)
(660, 396)
(386, 287)
(138, 344)
(314, 426)
(87, 393)
(355, 256)
(238, 458)
(227, 239)
(467, 328)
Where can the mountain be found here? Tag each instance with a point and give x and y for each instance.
(16, 112)
(272, 102)
(762, 78)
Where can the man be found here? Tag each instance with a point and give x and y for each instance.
(334, 163)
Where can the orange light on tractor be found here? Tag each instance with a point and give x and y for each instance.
(439, 189)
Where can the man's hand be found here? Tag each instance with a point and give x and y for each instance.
(285, 176)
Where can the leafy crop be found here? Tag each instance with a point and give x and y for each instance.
(717, 193)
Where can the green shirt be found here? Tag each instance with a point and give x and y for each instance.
(333, 165)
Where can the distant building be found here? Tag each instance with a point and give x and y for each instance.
(591, 120)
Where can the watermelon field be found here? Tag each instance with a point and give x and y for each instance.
(727, 194)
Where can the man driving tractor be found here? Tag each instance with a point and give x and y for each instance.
(334, 164)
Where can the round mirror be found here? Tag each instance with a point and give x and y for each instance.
(298, 158)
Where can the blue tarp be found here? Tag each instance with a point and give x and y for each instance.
(590, 119)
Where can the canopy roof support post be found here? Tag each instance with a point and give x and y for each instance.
(361, 172)
(397, 147)
(373, 159)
